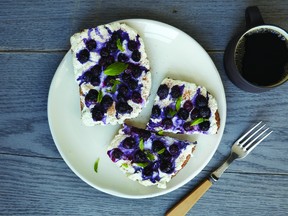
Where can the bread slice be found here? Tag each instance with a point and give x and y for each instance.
(148, 158)
(184, 108)
(113, 73)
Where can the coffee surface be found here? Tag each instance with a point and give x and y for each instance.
(265, 58)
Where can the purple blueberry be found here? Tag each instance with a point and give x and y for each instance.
(163, 91)
(136, 72)
(122, 89)
(187, 126)
(83, 56)
(157, 145)
(176, 92)
(106, 61)
(129, 142)
(104, 52)
(174, 149)
(167, 123)
(95, 81)
(106, 102)
(204, 126)
(91, 97)
(132, 84)
(136, 56)
(188, 105)
(91, 44)
(97, 113)
(122, 57)
(123, 107)
(201, 101)
(140, 157)
(148, 170)
(116, 154)
(195, 114)
(136, 97)
(156, 111)
(125, 77)
(183, 114)
(111, 46)
(204, 112)
(132, 45)
(109, 81)
(96, 70)
(166, 167)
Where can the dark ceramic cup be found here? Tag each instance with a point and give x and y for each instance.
(236, 54)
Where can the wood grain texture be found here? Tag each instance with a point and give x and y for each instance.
(48, 25)
(34, 179)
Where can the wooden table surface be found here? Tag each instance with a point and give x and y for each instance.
(35, 180)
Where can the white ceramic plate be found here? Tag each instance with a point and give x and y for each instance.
(171, 53)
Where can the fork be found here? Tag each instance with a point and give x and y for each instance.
(240, 149)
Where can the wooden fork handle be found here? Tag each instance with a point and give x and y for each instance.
(184, 205)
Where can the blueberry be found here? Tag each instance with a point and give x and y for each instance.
(128, 142)
(122, 57)
(188, 105)
(91, 44)
(136, 56)
(95, 81)
(174, 149)
(104, 52)
(201, 101)
(87, 76)
(91, 97)
(116, 154)
(125, 77)
(205, 112)
(122, 97)
(145, 134)
(195, 114)
(187, 126)
(109, 80)
(97, 113)
(115, 36)
(136, 72)
(156, 111)
(111, 46)
(96, 70)
(132, 84)
(163, 91)
(204, 126)
(106, 61)
(139, 157)
(165, 156)
(122, 89)
(167, 123)
(136, 97)
(166, 167)
(123, 107)
(106, 102)
(183, 114)
(148, 170)
(176, 92)
(83, 56)
(157, 145)
(132, 45)
(169, 112)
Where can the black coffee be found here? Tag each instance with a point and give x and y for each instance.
(264, 58)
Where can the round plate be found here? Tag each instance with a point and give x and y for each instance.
(172, 53)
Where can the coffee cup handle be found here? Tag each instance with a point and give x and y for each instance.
(253, 17)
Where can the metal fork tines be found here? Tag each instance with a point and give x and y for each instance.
(243, 146)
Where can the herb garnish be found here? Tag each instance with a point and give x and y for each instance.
(119, 45)
(115, 69)
(96, 165)
(198, 121)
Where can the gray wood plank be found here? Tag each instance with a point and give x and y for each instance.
(31, 25)
(40, 186)
(24, 127)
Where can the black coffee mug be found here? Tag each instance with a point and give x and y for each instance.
(256, 60)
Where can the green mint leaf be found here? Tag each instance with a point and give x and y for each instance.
(161, 151)
(178, 103)
(142, 164)
(161, 132)
(198, 121)
(125, 165)
(100, 96)
(172, 112)
(149, 155)
(141, 144)
(115, 69)
(119, 45)
(96, 165)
